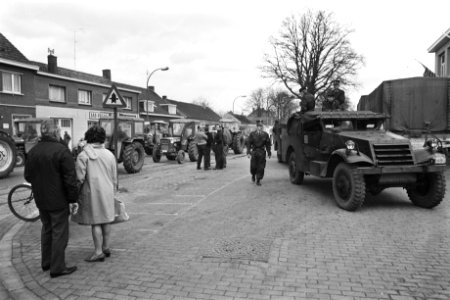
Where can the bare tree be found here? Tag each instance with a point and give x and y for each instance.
(311, 51)
(257, 101)
(281, 103)
(202, 101)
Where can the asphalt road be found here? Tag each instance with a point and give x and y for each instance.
(215, 235)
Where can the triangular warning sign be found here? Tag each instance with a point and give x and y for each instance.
(113, 98)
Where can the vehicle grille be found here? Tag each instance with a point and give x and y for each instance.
(393, 154)
(165, 145)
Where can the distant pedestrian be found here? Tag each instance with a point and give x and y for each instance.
(66, 138)
(51, 171)
(209, 142)
(257, 144)
(218, 148)
(200, 139)
(96, 172)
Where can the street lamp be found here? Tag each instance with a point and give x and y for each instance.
(157, 69)
(146, 86)
(243, 96)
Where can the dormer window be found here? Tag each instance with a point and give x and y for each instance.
(171, 108)
(146, 106)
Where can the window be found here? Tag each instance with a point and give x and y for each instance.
(12, 83)
(127, 102)
(57, 93)
(84, 97)
(146, 106)
(442, 64)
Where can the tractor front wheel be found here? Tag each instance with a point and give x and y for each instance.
(133, 157)
(238, 143)
(156, 154)
(180, 156)
(193, 151)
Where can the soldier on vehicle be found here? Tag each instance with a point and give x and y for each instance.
(307, 102)
(335, 98)
(257, 145)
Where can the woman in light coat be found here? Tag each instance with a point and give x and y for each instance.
(96, 172)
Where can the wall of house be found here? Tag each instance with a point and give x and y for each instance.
(446, 50)
(16, 104)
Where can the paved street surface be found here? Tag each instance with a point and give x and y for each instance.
(215, 235)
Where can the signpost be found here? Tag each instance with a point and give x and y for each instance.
(114, 100)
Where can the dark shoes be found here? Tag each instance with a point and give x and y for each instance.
(46, 268)
(253, 178)
(258, 182)
(107, 252)
(96, 258)
(198, 168)
(66, 271)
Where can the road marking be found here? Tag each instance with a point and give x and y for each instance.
(168, 203)
(189, 195)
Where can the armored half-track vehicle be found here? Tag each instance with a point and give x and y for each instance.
(355, 151)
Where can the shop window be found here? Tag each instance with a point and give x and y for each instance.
(65, 122)
(84, 97)
(11, 83)
(57, 93)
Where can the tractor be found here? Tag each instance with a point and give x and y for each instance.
(153, 134)
(130, 141)
(7, 154)
(180, 140)
(235, 136)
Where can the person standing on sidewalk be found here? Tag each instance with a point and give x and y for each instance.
(51, 171)
(209, 142)
(97, 174)
(257, 144)
(200, 139)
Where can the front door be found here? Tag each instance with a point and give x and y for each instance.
(66, 130)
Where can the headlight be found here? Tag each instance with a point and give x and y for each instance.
(350, 145)
(439, 159)
(431, 143)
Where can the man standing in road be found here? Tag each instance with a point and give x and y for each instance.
(257, 144)
(200, 139)
(209, 142)
(51, 171)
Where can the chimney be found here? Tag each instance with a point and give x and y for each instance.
(151, 88)
(52, 64)
(107, 74)
(164, 97)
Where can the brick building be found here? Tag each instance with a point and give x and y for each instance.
(441, 49)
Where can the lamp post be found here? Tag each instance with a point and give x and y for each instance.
(243, 96)
(146, 85)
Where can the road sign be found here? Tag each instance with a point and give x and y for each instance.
(113, 98)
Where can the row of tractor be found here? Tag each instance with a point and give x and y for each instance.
(173, 139)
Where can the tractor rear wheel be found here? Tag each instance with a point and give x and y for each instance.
(20, 159)
(193, 151)
(429, 190)
(133, 157)
(238, 143)
(8, 154)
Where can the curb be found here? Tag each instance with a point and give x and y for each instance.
(9, 277)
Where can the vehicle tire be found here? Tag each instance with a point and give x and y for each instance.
(133, 157)
(295, 175)
(21, 203)
(20, 159)
(8, 153)
(180, 156)
(349, 187)
(156, 154)
(429, 190)
(238, 143)
(193, 151)
(279, 158)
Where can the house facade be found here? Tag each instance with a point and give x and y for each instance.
(441, 49)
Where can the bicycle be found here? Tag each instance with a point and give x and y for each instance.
(21, 202)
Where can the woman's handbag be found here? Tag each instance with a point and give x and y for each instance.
(119, 212)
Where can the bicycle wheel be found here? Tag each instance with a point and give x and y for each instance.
(21, 203)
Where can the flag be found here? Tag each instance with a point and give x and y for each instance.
(427, 72)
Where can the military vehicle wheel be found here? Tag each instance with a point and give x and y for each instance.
(156, 154)
(238, 143)
(7, 155)
(295, 176)
(279, 157)
(429, 191)
(133, 157)
(193, 151)
(180, 156)
(349, 187)
(20, 159)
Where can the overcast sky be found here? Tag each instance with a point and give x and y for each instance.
(214, 48)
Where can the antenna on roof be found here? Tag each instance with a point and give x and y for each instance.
(51, 51)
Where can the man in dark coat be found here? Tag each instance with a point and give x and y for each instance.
(335, 97)
(209, 143)
(51, 171)
(307, 101)
(219, 143)
(257, 144)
